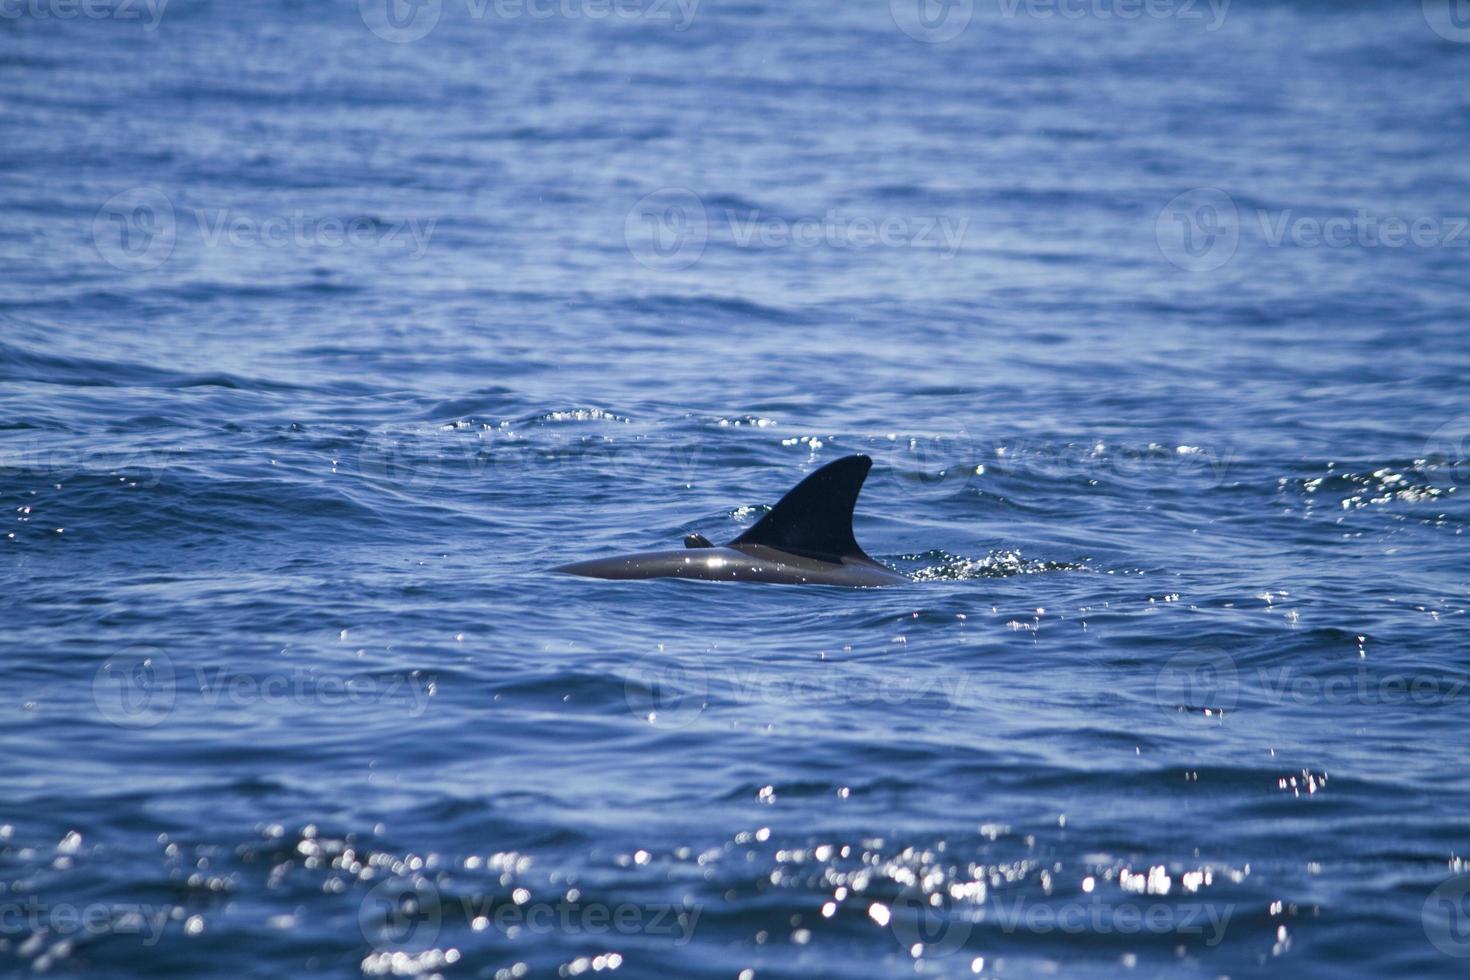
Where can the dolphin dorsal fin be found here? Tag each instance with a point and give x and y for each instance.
(815, 517)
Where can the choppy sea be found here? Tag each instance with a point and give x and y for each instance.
(327, 327)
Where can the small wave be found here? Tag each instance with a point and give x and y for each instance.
(1410, 482)
(27, 364)
(941, 566)
(738, 309)
(579, 415)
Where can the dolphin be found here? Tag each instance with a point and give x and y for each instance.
(806, 539)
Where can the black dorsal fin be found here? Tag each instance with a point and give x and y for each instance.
(815, 518)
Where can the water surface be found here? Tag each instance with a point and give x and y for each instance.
(317, 348)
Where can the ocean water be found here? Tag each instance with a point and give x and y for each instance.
(328, 327)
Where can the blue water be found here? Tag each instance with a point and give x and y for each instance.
(317, 348)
